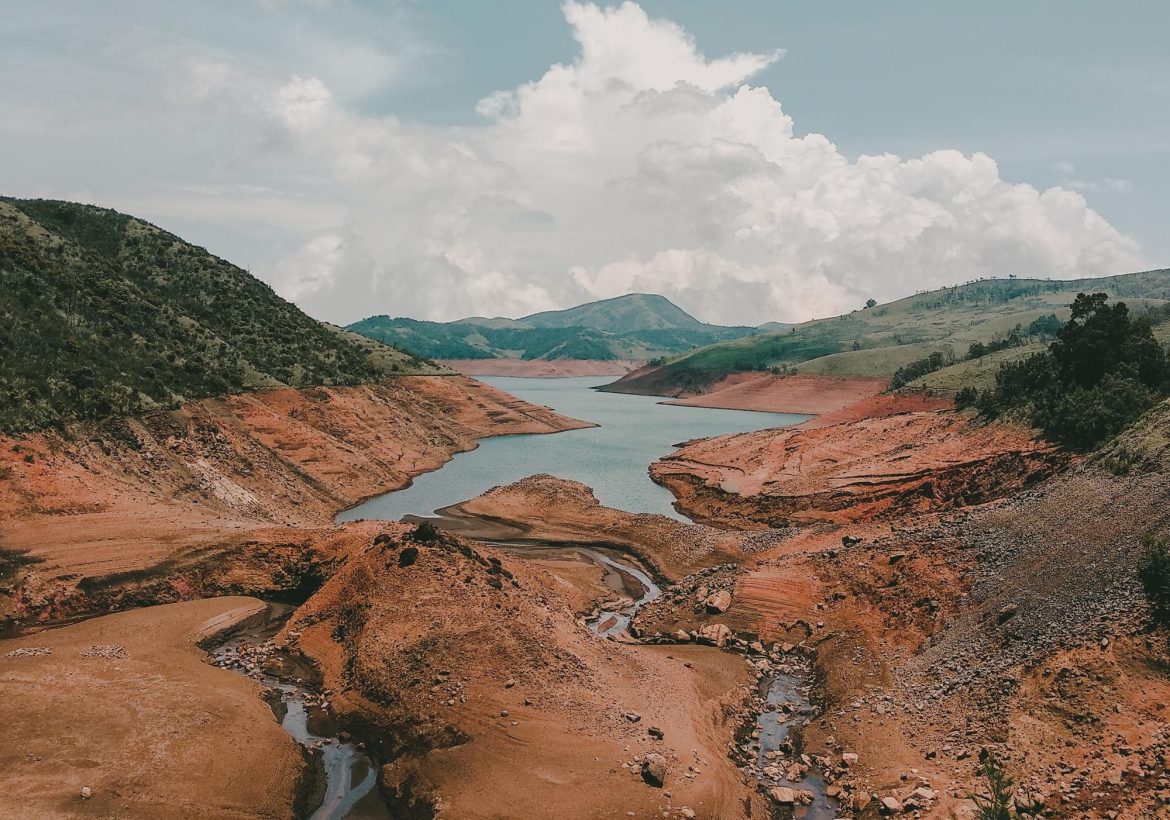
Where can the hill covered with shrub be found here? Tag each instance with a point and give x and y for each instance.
(879, 340)
(102, 314)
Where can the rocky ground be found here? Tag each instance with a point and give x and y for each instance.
(936, 588)
(135, 501)
(1007, 619)
(508, 704)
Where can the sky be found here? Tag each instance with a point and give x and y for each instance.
(752, 161)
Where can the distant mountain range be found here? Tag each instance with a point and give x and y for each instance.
(634, 326)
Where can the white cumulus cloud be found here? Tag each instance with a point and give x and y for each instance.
(641, 164)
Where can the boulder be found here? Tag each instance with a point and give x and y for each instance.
(654, 769)
(891, 804)
(715, 634)
(784, 796)
(718, 601)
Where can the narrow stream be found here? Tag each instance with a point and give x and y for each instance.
(778, 745)
(350, 775)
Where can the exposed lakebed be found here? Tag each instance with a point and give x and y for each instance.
(612, 459)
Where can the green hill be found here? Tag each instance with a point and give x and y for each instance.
(102, 314)
(877, 341)
(636, 326)
(622, 314)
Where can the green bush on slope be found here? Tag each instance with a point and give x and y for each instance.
(1104, 369)
(102, 314)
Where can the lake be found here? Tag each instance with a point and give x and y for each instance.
(612, 458)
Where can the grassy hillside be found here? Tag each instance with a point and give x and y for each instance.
(622, 314)
(102, 314)
(637, 326)
(877, 341)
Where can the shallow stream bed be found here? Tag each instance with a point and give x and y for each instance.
(350, 775)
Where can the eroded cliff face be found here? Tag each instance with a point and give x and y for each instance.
(897, 464)
(155, 496)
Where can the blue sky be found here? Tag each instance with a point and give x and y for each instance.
(342, 151)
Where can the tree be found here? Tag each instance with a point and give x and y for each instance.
(871, 303)
(1103, 371)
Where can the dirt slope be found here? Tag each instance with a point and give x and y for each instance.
(146, 494)
(126, 706)
(505, 705)
(906, 462)
(784, 394)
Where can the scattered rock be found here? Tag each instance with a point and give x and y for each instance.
(654, 769)
(784, 796)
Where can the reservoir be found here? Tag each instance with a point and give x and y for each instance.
(612, 458)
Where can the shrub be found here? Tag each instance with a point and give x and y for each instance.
(1102, 372)
(966, 398)
(1154, 574)
(997, 803)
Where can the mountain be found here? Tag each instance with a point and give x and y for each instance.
(635, 326)
(622, 314)
(102, 314)
(878, 341)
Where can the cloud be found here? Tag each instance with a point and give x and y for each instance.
(640, 165)
(1071, 179)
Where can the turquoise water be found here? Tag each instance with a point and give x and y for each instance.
(612, 458)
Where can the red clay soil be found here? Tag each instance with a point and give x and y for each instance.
(505, 705)
(866, 469)
(127, 706)
(555, 510)
(139, 495)
(883, 404)
(542, 368)
(798, 393)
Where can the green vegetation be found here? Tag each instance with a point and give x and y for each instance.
(920, 367)
(878, 340)
(1102, 372)
(1154, 574)
(637, 326)
(102, 314)
(997, 804)
(622, 314)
